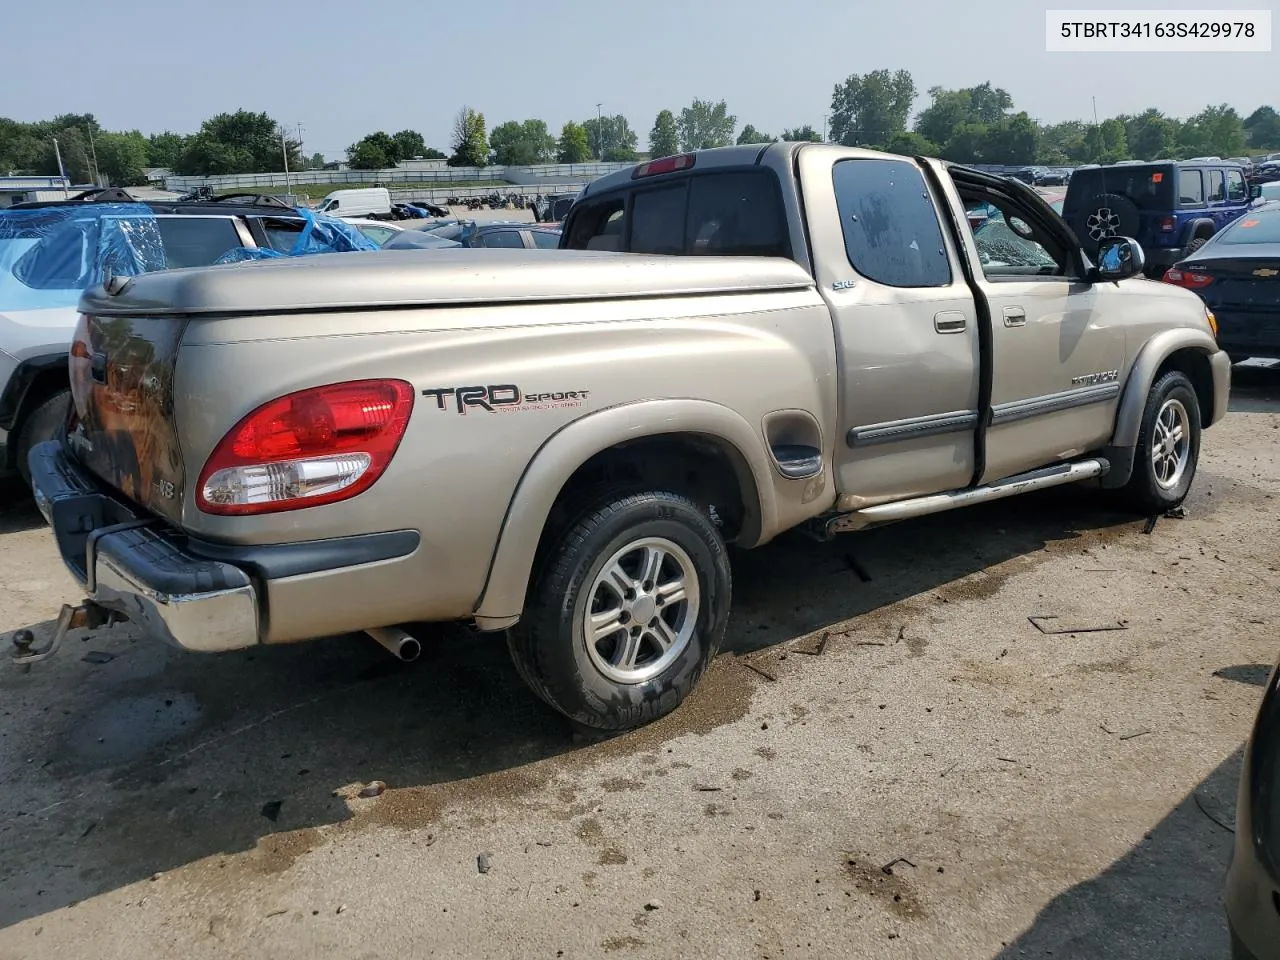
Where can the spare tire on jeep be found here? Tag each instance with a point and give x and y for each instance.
(1106, 215)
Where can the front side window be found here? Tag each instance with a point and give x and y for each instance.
(891, 229)
(1236, 189)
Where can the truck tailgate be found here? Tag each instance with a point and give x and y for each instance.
(123, 427)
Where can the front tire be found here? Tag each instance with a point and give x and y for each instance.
(627, 611)
(44, 423)
(1168, 446)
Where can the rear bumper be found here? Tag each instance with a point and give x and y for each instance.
(1248, 332)
(198, 596)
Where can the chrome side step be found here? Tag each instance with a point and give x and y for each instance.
(1042, 479)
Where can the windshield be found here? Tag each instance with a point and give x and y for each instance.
(1260, 226)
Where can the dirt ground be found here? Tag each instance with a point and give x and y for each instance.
(941, 780)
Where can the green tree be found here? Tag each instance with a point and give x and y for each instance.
(163, 149)
(664, 138)
(1062, 143)
(122, 157)
(750, 134)
(431, 153)
(611, 138)
(1106, 143)
(988, 104)
(947, 110)
(409, 144)
(805, 134)
(521, 144)
(911, 144)
(470, 144)
(704, 124)
(967, 144)
(1263, 129)
(870, 109)
(368, 154)
(573, 146)
(316, 162)
(1215, 131)
(240, 142)
(1012, 140)
(1151, 135)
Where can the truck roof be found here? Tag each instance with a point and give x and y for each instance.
(405, 278)
(745, 155)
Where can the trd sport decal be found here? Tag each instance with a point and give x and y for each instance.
(502, 398)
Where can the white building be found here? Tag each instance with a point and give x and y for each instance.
(21, 189)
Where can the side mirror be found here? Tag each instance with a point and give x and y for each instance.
(1120, 258)
(1255, 192)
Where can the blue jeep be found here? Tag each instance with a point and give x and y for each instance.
(1170, 207)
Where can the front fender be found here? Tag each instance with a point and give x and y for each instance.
(1133, 399)
(564, 452)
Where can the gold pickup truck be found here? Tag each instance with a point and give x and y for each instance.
(560, 444)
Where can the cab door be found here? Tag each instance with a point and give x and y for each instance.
(1057, 340)
(905, 326)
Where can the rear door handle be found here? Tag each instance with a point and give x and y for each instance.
(949, 321)
(1015, 317)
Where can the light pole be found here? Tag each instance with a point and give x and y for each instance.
(599, 132)
(284, 151)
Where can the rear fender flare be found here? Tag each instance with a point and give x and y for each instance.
(1199, 225)
(551, 467)
(1133, 398)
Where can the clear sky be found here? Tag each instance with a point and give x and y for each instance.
(345, 69)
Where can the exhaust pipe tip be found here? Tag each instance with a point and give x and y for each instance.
(401, 645)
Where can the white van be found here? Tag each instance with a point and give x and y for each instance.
(356, 203)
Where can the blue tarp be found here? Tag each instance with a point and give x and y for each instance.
(50, 255)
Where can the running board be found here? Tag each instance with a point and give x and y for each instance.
(936, 503)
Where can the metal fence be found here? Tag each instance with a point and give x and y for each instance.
(569, 172)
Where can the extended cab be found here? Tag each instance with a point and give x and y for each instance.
(560, 444)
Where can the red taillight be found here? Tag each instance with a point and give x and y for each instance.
(1184, 278)
(1167, 225)
(666, 165)
(308, 448)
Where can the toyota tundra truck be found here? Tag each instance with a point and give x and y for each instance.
(562, 444)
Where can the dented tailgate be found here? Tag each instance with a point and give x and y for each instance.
(122, 426)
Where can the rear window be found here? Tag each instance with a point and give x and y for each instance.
(1150, 188)
(1190, 188)
(891, 230)
(1260, 226)
(735, 213)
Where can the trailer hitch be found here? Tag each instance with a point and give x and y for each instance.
(87, 615)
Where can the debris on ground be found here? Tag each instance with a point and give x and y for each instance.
(760, 670)
(482, 863)
(1124, 736)
(374, 788)
(819, 648)
(888, 867)
(1050, 625)
(98, 657)
(1151, 523)
(1177, 513)
(271, 809)
(653, 905)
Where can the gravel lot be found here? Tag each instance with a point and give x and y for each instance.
(1038, 794)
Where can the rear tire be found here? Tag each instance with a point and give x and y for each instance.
(647, 575)
(45, 423)
(1196, 244)
(1168, 447)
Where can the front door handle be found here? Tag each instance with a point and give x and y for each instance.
(1015, 317)
(949, 321)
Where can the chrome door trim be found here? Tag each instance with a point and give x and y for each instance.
(914, 428)
(1016, 410)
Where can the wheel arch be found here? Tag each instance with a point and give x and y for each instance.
(33, 381)
(1201, 227)
(708, 438)
(1185, 349)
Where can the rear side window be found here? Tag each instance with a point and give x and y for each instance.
(503, 238)
(545, 239)
(1190, 188)
(891, 230)
(1217, 186)
(196, 241)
